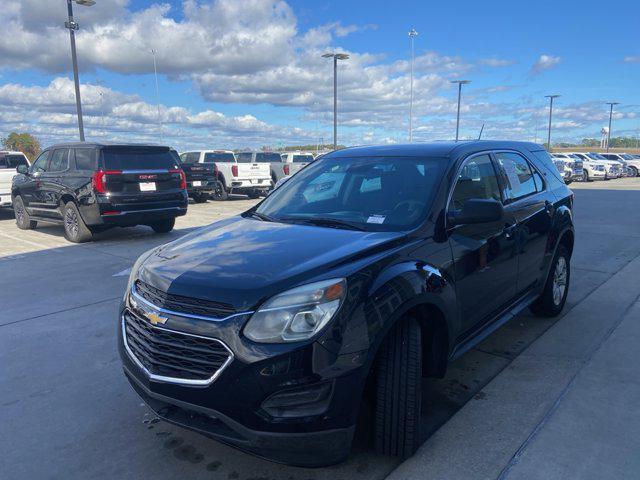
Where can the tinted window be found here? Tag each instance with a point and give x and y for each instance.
(518, 180)
(267, 157)
(14, 160)
(219, 157)
(40, 165)
(303, 158)
(189, 158)
(85, 159)
(244, 157)
(59, 160)
(138, 158)
(477, 179)
(3, 162)
(376, 193)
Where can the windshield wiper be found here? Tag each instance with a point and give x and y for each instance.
(326, 222)
(261, 216)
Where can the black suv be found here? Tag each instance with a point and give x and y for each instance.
(368, 270)
(89, 187)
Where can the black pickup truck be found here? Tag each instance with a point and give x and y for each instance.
(200, 178)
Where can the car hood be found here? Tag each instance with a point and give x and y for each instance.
(242, 261)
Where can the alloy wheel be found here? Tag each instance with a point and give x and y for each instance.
(71, 222)
(559, 280)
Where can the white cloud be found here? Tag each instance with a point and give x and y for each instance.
(632, 59)
(496, 62)
(544, 62)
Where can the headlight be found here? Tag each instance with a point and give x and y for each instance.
(136, 267)
(297, 314)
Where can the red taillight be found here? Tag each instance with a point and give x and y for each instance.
(286, 169)
(99, 179)
(234, 170)
(183, 178)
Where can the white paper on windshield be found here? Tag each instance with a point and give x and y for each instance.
(376, 219)
(512, 176)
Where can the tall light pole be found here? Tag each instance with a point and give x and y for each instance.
(611, 104)
(412, 35)
(155, 74)
(550, 97)
(72, 25)
(101, 108)
(336, 57)
(460, 83)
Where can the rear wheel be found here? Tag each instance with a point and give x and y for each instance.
(219, 191)
(163, 226)
(633, 172)
(585, 176)
(554, 295)
(398, 391)
(23, 219)
(75, 230)
(200, 197)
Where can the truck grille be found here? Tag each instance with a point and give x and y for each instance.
(180, 304)
(174, 356)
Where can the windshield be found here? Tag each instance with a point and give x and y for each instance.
(626, 156)
(595, 156)
(219, 157)
(267, 157)
(139, 158)
(376, 193)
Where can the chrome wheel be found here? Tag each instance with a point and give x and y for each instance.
(559, 280)
(18, 210)
(71, 222)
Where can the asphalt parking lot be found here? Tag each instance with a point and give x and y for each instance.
(68, 412)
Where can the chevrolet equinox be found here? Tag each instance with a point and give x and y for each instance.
(367, 271)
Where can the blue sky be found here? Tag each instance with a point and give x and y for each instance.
(239, 73)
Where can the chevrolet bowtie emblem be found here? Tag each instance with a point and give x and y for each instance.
(155, 319)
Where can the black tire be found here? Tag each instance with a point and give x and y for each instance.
(219, 191)
(550, 303)
(75, 230)
(254, 194)
(200, 197)
(23, 219)
(163, 226)
(398, 391)
(585, 176)
(633, 172)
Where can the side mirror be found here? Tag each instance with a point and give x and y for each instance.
(24, 169)
(476, 210)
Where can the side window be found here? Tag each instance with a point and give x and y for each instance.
(40, 165)
(193, 157)
(59, 160)
(517, 175)
(85, 159)
(4, 163)
(477, 180)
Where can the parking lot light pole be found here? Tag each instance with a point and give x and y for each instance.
(412, 34)
(550, 97)
(611, 104)
(73, 26)
(460, 83)
(155, 74)
(336, 57)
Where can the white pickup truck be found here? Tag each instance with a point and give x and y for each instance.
(9, 161)
(252, 179)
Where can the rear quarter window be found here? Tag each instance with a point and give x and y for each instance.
(85, 159)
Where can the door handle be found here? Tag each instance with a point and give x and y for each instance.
(509, 230)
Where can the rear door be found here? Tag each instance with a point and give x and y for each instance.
(532, 204)
(30, 184)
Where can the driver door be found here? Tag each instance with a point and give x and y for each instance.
(31, 183)
(484, 255)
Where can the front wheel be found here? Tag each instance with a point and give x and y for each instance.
(163, 226)
(75, 230)
(585, 176)
(219, 191)
(633, 172)
(23, 219)
(554, 295)
(398, 391)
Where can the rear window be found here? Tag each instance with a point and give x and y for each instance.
(14, 160)
(264, 157)
(219, 157)
(132, 158)
(303, 158)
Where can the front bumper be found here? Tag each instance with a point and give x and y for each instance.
(238, 185)
(231, 409)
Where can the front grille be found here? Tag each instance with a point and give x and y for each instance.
(171, 354)
(180, 304)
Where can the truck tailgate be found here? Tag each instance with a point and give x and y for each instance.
(254, 170)
(6, 176)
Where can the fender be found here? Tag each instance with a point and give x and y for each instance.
(563, 223)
